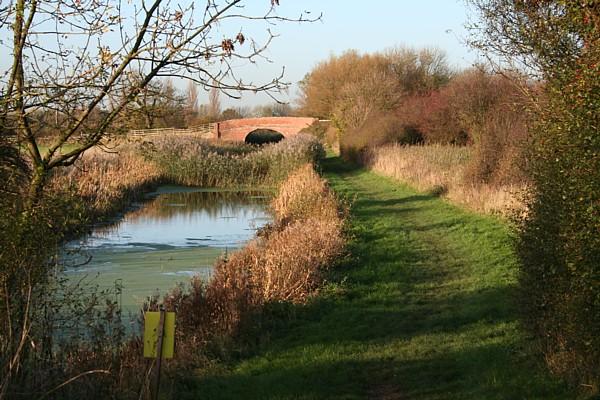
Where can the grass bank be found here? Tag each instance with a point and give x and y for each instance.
(422, 309)
(445, 171)
(102, 360)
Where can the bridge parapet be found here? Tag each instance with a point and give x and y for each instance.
(205, 131)
(238, 129)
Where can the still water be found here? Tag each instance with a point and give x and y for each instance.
(179, 232)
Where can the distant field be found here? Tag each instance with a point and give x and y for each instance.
(44, 148)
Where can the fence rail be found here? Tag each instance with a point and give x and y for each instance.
(205, 130)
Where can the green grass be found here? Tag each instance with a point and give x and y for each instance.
(422, 309)
(64, 149)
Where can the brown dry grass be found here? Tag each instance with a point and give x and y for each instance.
(442, 170)
(107, 182)
(283, 264)
(305, 194)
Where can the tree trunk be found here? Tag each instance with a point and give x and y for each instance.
(36, 187)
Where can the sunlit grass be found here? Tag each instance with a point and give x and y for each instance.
(423, 309)
(440, 170)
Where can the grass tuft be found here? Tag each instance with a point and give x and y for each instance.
(442, 170)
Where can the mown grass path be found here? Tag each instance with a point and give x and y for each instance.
(423, 309)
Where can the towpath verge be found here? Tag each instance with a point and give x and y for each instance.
(424, 308)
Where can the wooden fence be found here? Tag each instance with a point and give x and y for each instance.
(205, 131)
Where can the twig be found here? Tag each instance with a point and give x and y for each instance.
(94, 371)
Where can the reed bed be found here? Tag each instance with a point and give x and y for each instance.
(283, 264)
(304, 195)
(441, 170)
(105, 182)
(201, 163)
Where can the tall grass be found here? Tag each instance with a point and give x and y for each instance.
(103, 183)
(200, 163)
(107, 182)
(283, 264)
(304, 195)
(442, 170)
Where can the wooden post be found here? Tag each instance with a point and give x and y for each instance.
(159, 345)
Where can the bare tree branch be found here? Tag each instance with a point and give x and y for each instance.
(84, 62)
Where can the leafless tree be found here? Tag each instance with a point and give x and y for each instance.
(419, 71)
(157, 104)
(74, 67)
(192, 106)
(214, 103)
(85, 61)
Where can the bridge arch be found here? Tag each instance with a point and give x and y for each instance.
(238, 129)
(263, 136)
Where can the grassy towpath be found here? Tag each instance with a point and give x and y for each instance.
(423, 309)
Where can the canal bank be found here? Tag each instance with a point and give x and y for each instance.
(423, 308)
(176, 233)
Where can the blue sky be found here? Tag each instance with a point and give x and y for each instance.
(367, 26)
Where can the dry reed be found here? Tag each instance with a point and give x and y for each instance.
(441, 170)
(304, 194)
(284, 264)
(107, 182)
(208, 164)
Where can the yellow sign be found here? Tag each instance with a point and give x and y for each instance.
(151, 327)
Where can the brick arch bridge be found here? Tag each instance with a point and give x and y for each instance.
(238, 129)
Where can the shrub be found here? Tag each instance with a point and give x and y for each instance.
(558, 237)
(33, 358)
(317, 129)
(379, 129)
(481, 109)
(195, 162)
(491, 109)
(475, 107)
(284, 264)
(349, 87)
(432, 114)
(322, 88)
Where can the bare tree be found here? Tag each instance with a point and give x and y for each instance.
(157, 104)
(75, 67)
(192, 106)
(418, 71)
(85, 61)
(214, 103)
(375, 92)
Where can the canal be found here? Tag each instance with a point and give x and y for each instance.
(176, 233)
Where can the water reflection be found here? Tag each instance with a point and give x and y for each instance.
(179, 232)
